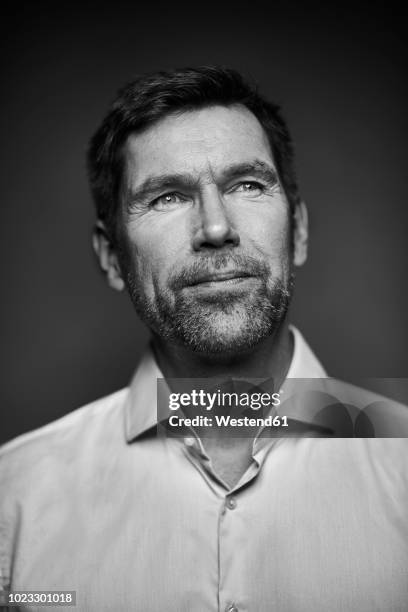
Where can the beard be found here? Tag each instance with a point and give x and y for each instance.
(220, 322)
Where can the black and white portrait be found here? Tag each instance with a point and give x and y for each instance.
(198, 205)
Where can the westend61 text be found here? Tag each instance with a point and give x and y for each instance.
(206, 400)
(228, 421)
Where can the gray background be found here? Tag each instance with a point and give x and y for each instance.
(340, 77)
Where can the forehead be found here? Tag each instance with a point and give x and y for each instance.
(198, 142)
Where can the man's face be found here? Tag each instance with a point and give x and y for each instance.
(205, 230)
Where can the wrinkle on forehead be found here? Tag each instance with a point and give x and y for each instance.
(200, 142)
(205, 175)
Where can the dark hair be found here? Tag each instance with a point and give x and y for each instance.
(149, 98)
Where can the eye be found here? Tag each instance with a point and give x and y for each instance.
(250, 188)
(167, 200)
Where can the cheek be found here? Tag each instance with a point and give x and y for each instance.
(150, 257)
(269, 232)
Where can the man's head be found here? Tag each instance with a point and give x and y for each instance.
(198, 207)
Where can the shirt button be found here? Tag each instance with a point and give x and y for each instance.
(231, 505)
(189, 441)
(231, 608)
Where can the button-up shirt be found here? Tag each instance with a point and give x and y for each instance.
(96, 502)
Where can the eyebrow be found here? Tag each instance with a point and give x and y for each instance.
(257, 168)
(161, 182)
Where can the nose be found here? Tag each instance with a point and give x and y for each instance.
(214, 228)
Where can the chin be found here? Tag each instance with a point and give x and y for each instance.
(216, 327)
(226, 338)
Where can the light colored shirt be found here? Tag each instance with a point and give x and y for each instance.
(97, 503)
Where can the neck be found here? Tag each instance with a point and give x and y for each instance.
(269, 359)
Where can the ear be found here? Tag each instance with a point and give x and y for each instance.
(107, 257)
(300, 236)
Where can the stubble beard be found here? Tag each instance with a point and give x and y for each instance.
(223, 324)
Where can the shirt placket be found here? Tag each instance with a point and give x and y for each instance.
(233, 521)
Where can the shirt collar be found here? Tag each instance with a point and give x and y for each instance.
(141, 400)
(304, 362)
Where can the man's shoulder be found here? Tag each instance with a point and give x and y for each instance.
(345, 409)
(64, 435)
(374, 414)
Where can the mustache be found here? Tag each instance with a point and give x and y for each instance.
(217, 262)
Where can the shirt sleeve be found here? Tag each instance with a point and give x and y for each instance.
(8, 520)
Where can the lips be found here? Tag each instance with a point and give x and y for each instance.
(219, 270)
(219, 277)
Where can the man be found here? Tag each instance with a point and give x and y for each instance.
(200, 219)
